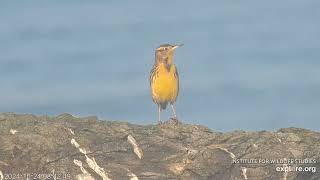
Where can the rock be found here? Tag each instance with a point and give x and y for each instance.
(87, 148)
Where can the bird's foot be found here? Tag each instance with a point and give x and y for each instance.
(175, 120)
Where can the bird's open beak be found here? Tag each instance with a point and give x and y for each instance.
(176, 46)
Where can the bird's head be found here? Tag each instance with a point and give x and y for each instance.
(164, 53)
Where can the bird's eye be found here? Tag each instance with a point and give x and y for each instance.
(161, 49)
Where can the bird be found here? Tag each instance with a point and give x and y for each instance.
(164, 79)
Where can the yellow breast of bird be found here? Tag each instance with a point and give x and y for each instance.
(165, 85)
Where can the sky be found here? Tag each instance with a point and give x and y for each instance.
(244, 65)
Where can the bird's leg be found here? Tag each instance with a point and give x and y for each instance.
(174, 112)
(159, 115)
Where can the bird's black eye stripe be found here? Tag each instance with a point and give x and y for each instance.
(163, 49)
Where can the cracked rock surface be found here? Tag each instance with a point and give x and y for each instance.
(41, 146)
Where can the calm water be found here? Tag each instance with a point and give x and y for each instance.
(245, 64)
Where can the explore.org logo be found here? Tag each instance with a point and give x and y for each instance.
(296, 169)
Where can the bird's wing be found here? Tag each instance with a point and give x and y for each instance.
(153, 74)
(176, 75)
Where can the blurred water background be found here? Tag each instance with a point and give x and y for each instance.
(248, 64)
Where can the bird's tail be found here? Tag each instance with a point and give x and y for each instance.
(163, 105)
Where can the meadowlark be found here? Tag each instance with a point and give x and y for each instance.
(164, 79)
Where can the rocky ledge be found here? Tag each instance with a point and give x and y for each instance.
(67, 147)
